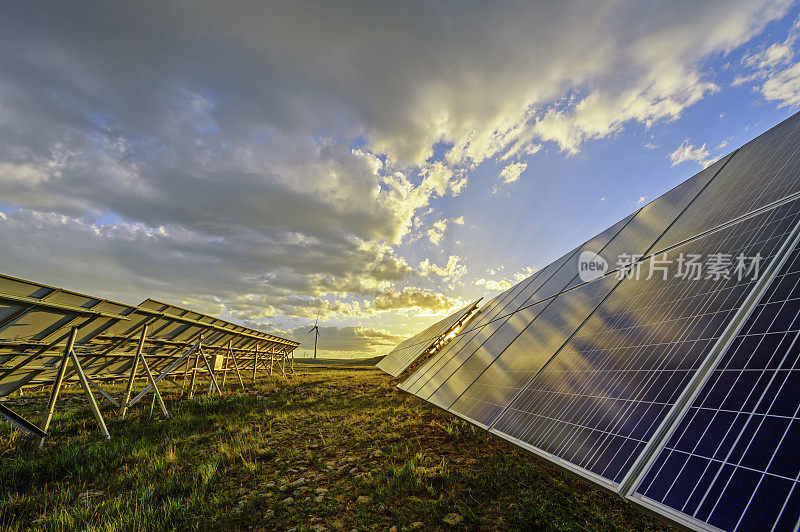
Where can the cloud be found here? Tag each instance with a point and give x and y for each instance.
(511, 172)
(436, 232)
(505, 284)
(355, 341)
(426, 301)
(688, 152)
(774, 71)
(452, 270)
(259, 159)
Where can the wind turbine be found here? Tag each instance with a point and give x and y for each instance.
(315, 329)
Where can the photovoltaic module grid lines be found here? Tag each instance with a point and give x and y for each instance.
(762, 171)
(494, 389)
(732, 459)
(444, 380)
(637, 235)
(600, 399)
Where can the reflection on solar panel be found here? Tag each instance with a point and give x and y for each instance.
(433, 337)
(676, 389)
(50, 336)
(731, 460)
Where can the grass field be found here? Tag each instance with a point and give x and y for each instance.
(335, 447)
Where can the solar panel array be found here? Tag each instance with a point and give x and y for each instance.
(675, 387)
(37, 321)
(405, 354)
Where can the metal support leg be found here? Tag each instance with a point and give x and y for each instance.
(255, 365)
(283, 363)
(235, 365)
(153, 384)
(134, 369)
(210, 371)
(62, 370)
(88, 389)
(194, 374)
(271, 360)
(166, 372)
(21, 423)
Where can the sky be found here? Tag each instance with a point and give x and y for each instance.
(376, 164)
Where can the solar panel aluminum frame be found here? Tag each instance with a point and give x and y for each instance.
(629, 485)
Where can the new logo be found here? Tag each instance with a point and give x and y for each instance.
(591, 266)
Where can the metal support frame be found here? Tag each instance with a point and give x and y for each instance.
(62, 370)
(255, 364)
(153, 384)
(235, 364)
(166, 372)
(134, 369)
(210, 371)
(21, 423)
(92, 402)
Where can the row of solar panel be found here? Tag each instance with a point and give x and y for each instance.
(405, 354)
(35, 321)
(597, 375)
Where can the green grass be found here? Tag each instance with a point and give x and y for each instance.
(229, 462)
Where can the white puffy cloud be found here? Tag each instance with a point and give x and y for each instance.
(774, 71)
(454, 268)
(688, 152)
(436, 232)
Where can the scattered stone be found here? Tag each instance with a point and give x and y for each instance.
(354, 471)
(350, 459)
(362, 499)
(319, 498)
(321, 490)
(270, 485)
(319, 528)
(283, 487)
(307, 499)
(290, 500)
(453, 519)
(299, 482)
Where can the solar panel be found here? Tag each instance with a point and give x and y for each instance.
(646, 385)
(408, 351)
(485, 322)
(531, 294)
(635, 234)
(41, 327)
(597, 403)
(759, 173)
(731, 461)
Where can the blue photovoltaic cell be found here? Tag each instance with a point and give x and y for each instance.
(638, 234)
(764, 170)
(597, 403)
(733, 459)
(652, 220)
(494, 389)
(545, 287)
